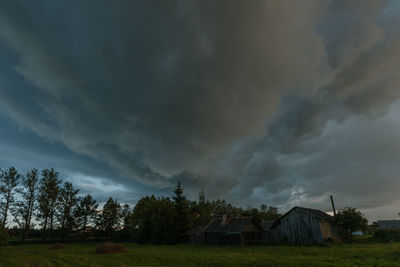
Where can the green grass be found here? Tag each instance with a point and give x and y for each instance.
(365, 254)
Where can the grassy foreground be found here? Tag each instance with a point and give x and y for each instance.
(197, 255)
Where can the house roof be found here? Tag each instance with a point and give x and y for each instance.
(233, 225)
(266, 224)
(195, 230)
(316, 213)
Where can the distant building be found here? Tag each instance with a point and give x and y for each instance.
(302, 226)
(196, 234)
(388, 224)
(224, 230)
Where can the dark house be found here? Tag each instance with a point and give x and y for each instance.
(302, 226)
(196, 235)
(266, 224)
(232, 231)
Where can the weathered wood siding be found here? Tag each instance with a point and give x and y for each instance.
(328, 230)
(298, 227)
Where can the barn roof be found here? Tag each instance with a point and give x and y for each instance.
(266, 224)
(195, 230)
(316, 213)
(233, 225)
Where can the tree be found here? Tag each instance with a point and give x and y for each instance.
(142, 218)
(85, 213)
(164, 223)
(222, 207)
(110, 217)
(48, 195)
(255, 214)
(126, 215)
(23, 210)
(155, 220)
(269, 212)
(67, 199)
(182, 210)
(351, 220)
(8, 181)
(201, 210)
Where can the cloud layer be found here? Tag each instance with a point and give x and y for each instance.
(283, 102)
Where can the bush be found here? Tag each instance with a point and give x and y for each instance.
(3, 236)
(387, 235)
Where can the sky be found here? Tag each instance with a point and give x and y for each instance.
(277, 102)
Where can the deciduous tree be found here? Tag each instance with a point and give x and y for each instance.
(67, 199)
(23, 210)
(351, 220)
(48, 195)
(85, 213)
(110, 217)
(8, 182)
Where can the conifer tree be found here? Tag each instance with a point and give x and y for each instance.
(182, 209)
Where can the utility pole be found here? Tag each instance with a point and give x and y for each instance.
(333, 206)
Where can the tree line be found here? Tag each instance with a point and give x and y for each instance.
(41, 201)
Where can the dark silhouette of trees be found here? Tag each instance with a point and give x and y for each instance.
(182, 213)
(85, 213)
(351, 220)
(53, 204)
(8, 182)
(202, 210)
(155, 220)
(67, 200)
(23, 210)
(269, 212)
(110, 218)
(47, 201)
(126, 215)
(222, 207)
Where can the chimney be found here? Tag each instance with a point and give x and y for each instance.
(224, 219)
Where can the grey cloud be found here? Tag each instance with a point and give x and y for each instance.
(236, 96)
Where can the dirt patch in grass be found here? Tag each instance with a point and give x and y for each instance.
(109, 247)
(57, 246)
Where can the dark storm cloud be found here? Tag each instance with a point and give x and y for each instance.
(236, 96)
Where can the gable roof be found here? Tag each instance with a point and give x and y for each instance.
(322, 216)
(233, 225)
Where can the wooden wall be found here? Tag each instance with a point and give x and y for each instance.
(299, 227)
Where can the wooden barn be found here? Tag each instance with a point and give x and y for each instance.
(196, 235)
(232, 231)
(302, 226)
(266, 224)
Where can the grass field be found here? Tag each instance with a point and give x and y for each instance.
(196, 255)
